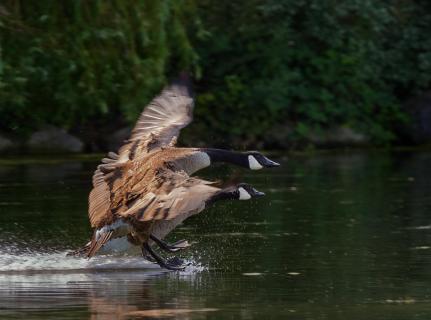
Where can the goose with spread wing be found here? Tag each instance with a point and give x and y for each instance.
(144, 191)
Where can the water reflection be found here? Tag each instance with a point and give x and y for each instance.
(104, 295)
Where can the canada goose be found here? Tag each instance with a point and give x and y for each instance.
(142, 193)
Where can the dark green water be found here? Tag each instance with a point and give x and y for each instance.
(344, 236)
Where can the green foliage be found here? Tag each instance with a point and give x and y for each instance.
(306, 64)
(315, 63)
(68, 62)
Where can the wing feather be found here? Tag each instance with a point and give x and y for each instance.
(98, 200)
(186, 196)
(96, 244)
(160, 122)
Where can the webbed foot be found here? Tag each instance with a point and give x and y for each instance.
(171, 264)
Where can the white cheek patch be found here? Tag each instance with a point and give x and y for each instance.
(243, 195)
(253, 164)
(202, 159)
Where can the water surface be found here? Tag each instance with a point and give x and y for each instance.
(338, 236)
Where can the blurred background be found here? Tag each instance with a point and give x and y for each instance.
(275, 74)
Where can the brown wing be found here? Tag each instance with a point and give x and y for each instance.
(97, 244)
(183, 196)
(99, 200)
(159, 125)
(160, 122)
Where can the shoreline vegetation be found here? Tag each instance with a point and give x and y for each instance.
(55, 158)
(57, 141)
(271, 74)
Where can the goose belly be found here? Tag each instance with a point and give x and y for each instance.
(119, 245)
(163, 227)
(119, 242)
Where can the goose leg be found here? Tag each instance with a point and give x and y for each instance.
(172, 264)
(147, 256)
(171, 247)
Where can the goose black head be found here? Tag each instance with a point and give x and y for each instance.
(258, 161)
(246, 192)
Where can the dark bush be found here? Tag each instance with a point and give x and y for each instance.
(303, 65)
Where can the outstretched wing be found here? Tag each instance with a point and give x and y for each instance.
(182, 195)
(158, 126)
(161, 121)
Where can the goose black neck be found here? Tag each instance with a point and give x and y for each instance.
(234, 157)
(230, 193)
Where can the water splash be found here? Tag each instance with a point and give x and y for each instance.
(59, 262)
